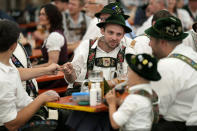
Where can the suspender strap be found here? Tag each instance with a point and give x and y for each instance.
(29, 84)
(106, 62)
(185, 59)
(92, 58)
(154, 100)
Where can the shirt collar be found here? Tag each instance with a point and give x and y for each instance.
(178, 48)
(96, 44)
(146, 87)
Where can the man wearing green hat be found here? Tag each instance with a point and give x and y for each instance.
(135, 112)
(112, 8)
(109, 52)
(177, 66)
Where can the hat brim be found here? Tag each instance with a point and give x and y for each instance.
(151, 32)
(154, 77)
(97, 15)
(126, 29)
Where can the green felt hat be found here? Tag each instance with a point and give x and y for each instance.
(112, 8)
(168, 28)
(144, 65)
(115, 19)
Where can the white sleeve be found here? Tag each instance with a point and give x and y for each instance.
(192, 120)
(125, 111)
(8, 111)
(142, 45)
(164, 87)
(79, 61)
(145, 26)
(188, 41)
(92, 31)
(54, 42)
(185, 18)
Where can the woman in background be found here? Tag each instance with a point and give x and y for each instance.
(182, 14)
(54, 49)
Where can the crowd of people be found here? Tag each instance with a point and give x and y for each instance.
(155, 42)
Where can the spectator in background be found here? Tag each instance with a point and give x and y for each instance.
(140, 15)
(180, 3)
(4, 15)
(77, 23)
(60, 4)
(180, 13)
(54, 49)
(191, 7)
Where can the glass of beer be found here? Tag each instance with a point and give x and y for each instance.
(121, 73)
(96, 76)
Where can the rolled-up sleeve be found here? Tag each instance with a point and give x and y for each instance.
(124, 112)
(54, 42)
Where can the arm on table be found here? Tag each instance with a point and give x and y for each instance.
(30, 73)
(26, 113)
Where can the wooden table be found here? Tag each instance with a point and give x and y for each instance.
(67, 103)
(59, 75)
(36, 53)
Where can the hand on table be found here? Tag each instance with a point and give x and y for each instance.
(49, 96)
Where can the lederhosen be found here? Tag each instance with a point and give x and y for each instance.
(62, 59)
(164, 125)
(83, 121)
(92, 60)
(111, 62)
(30, 87)
(78, 31)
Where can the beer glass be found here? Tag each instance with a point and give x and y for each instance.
(96, 76)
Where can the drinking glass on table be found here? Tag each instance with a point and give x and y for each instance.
(121, 73)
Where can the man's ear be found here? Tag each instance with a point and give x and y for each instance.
(13, 47)
(102, 31)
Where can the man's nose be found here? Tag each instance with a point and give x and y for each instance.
(114, 37)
